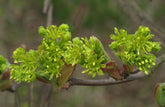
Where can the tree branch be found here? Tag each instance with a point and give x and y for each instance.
(46, 5)
(48, 8)
(132, 77)
(50, 13)
(75, 81)
(79, 16)
(138, 16)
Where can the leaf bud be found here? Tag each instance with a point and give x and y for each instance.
(42, 31)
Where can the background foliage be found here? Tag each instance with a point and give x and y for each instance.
(19, 24)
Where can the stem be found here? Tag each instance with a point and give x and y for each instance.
(103, 82)
(30, 97)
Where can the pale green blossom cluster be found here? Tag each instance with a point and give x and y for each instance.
(3, 64)
(135, 48)
(58, 49)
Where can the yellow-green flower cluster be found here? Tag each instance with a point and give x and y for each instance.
(51, 51)
(50, 58)
(3, 64)
(45, 62)
(88, 53)
(135, 48)
(25, 65)
(73, 53)
(56, 50)
(95, 56)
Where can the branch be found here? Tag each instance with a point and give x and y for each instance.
(49, 17)
(30, 95)
(46, 5)
(75, 81)
(79, 15)
(48, 8)
(132, 77)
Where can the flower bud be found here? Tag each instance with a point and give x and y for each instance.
(42, 31)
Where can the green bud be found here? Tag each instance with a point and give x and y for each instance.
(142, 62)
(140, 68)
(11, 77)
(146, 72)
(67, 37)
(103, 66)
(58, 67)
(52, 26)
(139, 64)
(93, 63)
(64, 27)
(146, 29)
(116, 30)
(150, 60)
(153, 63)
(42, 31)
(148, 66)
(157, 47)
(146, 60)
(76, 40)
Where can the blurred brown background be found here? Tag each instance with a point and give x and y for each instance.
(19, 22)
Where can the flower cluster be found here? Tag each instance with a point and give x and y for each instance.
(95, 56)
(88, 53)
(51, 51)
(3, 64)
(57, 50)
(25, 65)
(45, 62)
(135, 48)
(73, 54)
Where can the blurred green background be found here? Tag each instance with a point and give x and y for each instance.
(19, 22)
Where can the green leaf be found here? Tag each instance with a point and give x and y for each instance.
(160, 94)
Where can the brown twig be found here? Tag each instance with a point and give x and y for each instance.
(48, 9)
(135, 76)
(79, 16)
(50, 13)
(30, 94)
(49, 96)
(75, 81)
(46, 5)
(17, 99)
